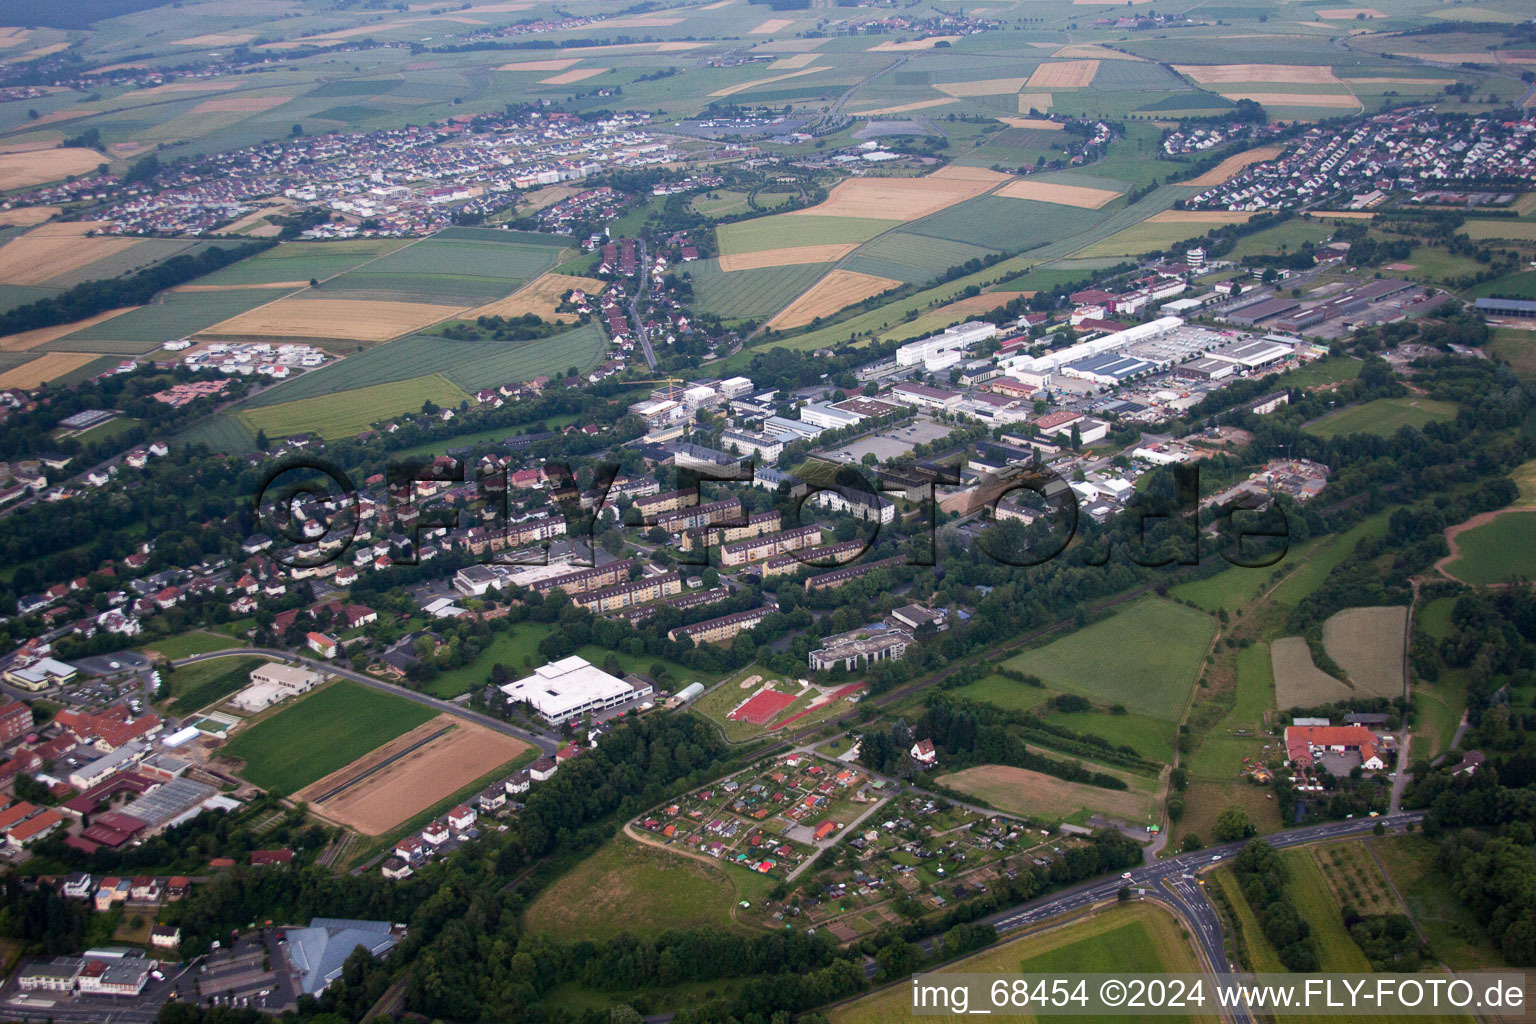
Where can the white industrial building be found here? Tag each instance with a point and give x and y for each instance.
(571, 687)
(820, 414)
(1116, 342)
(951, 339)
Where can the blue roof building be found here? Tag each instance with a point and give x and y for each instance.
(316, 954)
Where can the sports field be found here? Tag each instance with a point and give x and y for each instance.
(1145, 657)
(1132, 938)
(626, 886)
(349, 413)
(410, 774)
(1382, 417)
(325, 730)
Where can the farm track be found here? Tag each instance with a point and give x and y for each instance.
(1452, 532)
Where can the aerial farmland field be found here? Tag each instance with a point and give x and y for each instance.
(349, 413)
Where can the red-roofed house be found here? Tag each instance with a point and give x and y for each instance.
(1302, 740)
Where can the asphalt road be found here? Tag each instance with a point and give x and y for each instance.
(634, 308)
(547, 744)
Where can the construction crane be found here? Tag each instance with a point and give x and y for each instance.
(671, 382)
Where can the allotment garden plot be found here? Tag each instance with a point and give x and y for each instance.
(770, 818)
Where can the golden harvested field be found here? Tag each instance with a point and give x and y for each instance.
(1064, 195)
(799, 60)
(732, 90)
(559, 64)
(19, 170)
(1039, 124)
(1038, 101)
(1368, 644)
(903, 108)
(986, 302)
(1299, 683)
(576, 75)
(1297, 99)
(27, 216)
(838, 289)
(1242, 74)
(327, 38)
(44, 368)
(984, 87)
(1344, 214)
(1199, 217)
(41, 51)
(771, 26)
(1349, 13)
(902, 198)
(394, 783)
(11, 35)
(1233, 165)
(1021, 791)
(790, 257)
(911, 44)
(43, 335)
(1093, 51)
(215, 39)
(539, 297)
(240, 104)
(345, 319)
(1068, 74)
(52, 250)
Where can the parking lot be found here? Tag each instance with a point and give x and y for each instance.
(892, 443)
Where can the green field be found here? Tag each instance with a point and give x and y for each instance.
(1125, 938)
(1308, 565)
(1516, 347)
(1219, 758)
(1145, 658)
(744, 294)
(301, 261)
(1382, 417)
(172, 315)
(460, 266)
(787, 230)
(1148, 236)
(1332, 370)
(913, 258)
(323, 731)
(197, 686)
(1008, 225)
(349, 413)
(1452, 932)
(1437, 709)
(196, 642)
(1151, 738)
(1289, 235)
(1004, 693)
(142, 254)
(508, 649)
(628, 887)
(1497, 550)
(1309, 894)
(1520, 285)
(1434, 617)
(470, 365)
(1228, 590)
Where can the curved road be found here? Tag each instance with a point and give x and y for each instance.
(546, 744)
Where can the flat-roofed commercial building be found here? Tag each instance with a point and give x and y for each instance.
(571, 687)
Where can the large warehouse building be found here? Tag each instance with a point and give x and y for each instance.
(1116, 342)
(571, 687)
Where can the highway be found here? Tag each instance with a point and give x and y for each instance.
(547, 744)
(1173, 882)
